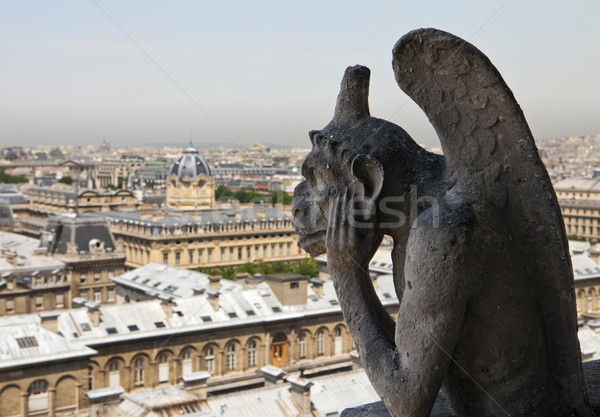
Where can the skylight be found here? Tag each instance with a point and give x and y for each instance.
(27, 341)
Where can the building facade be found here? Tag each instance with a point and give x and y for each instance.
(190, 184)
(210, 238)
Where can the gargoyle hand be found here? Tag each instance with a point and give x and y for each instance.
(352, 238)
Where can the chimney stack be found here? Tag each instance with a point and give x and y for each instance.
(272, 374)
(317, 286)
(213, 299)
(215, 282)
(300, 388)
(93, 310)
(49, 320)
(167, 304)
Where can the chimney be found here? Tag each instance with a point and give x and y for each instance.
(300, 388)
(213, 299)
(11, 256)
(317, 286)
(215, 282)
(196, 383)
(166, 303)
(272, 374)
(49, 320)
(198, 290)
(93, 310)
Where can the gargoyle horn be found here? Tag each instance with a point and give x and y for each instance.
(353, 100)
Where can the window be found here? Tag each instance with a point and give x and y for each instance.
(294, 285)
(97, 295)
(163, 368)
(252, 353)
(210, 258)
(264, 251)
(114, 374)
(289, 248)
(82, 278)
(138, 372)
(199, 256)
(281, 249)
(60, 300)
(302, 346)
(209, 359)
(27, 341)
(231, 357)
(9, 285)
(190, 256)
(133, 327)
(186, 362)
(320, 343)
(256, 251)
(39, 300)
(38, 396)
(222, 254)
(177, 258)
(248, 252)
(97, 276)
(240, 253)
(111, 294)
(338, 341)
(90, 378)
(10, 304)
(83, 294)
(110, 274)
(166, 258)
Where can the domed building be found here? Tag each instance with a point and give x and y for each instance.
(190, 185)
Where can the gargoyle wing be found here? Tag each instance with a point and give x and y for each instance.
(489, 149)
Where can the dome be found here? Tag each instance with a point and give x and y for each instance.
(190, 165)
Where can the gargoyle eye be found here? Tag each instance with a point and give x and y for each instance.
(308, 172)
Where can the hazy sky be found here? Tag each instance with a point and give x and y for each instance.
(136, 72)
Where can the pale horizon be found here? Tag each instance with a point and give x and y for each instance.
(75, 73)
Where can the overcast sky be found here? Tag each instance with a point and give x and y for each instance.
(237, 73)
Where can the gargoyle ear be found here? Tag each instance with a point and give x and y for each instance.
(369, 172)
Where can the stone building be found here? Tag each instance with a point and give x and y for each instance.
(112, 170)
(85, 245)
(190, 184)
(209, 238)
(41, 372)
(579, 200)
(61, 198)
(219, 339)
(30, 281)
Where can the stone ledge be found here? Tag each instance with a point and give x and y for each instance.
(441, 408)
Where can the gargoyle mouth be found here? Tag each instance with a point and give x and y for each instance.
(313, 243)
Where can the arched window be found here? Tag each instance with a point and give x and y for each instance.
(138, 372)
(320, 343)
(252, 353)
(38, 396)
(186, 362)
(209, 359)
(114, 374)
(163, 368)
(302, 343)
(231, 357)
(338, 341)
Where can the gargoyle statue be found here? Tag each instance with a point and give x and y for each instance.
(481, 263)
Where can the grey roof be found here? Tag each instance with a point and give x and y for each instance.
(584, 267)
(157, 279)
(79, 229)
(27, 259)
(328, 395)
(104, 392)
(190, 165)
(578, 184)
(148, 319)
(25, 342)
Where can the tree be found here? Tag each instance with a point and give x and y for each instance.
(66, 180)
(10, 179)
(308, 267)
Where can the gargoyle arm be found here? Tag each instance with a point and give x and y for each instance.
(408, 372)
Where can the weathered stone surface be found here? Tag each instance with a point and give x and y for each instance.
(481, 261)
(442, 408)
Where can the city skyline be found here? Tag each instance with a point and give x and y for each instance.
(237, 74)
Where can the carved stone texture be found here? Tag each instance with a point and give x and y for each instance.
(481, 261)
